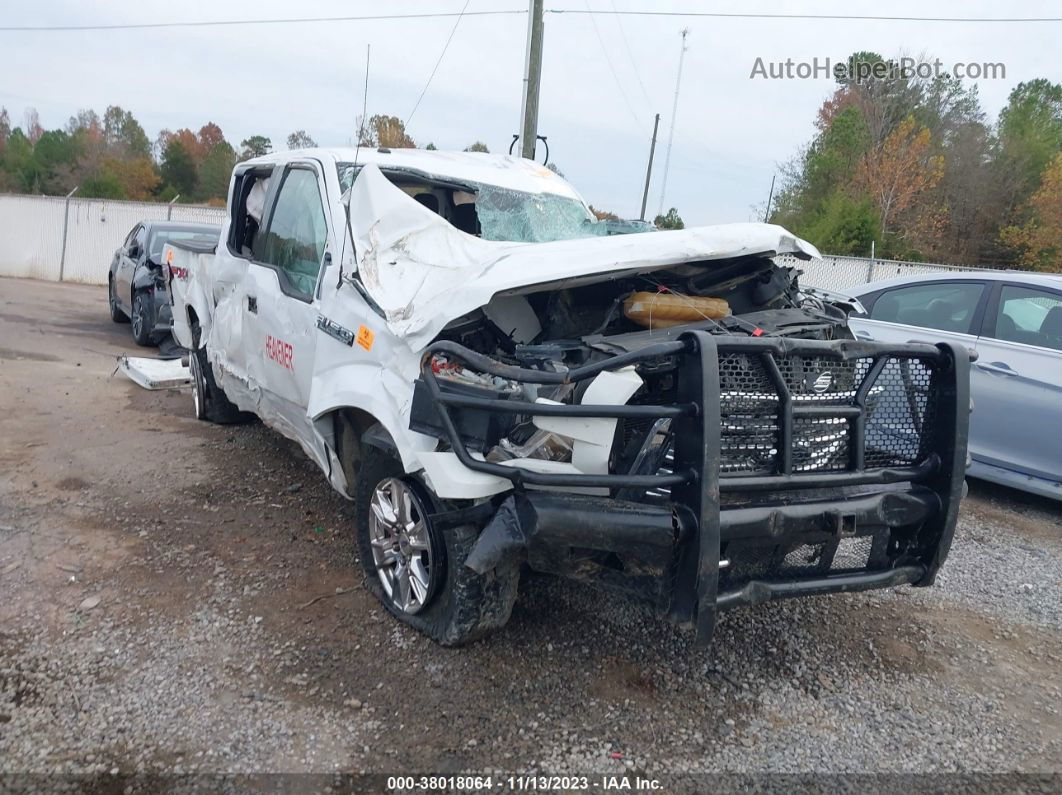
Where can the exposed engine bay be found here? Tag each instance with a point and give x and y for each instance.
(570, 326)
(750, 296)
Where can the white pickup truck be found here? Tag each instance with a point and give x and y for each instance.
(497, 378)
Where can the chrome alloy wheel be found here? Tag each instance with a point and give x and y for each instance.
(401, 545)
(138, 315)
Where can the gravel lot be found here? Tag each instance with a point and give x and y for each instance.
(177, 597)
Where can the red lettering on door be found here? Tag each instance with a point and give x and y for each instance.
(280, 352)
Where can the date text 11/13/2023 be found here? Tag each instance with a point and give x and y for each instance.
(521, 783)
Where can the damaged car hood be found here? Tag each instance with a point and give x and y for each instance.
(423, 272)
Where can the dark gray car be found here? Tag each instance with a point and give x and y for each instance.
(136, 285)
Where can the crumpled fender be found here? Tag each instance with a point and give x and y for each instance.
(337, 390)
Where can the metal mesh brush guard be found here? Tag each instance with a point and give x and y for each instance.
(899, 412)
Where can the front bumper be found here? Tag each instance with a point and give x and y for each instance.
(725, 539)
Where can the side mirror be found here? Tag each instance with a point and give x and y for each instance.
(134, 251)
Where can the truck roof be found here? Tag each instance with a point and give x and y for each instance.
(507, 171)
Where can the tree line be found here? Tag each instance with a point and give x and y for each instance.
(111, 157)
(913, 166)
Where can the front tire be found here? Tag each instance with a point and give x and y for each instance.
(417, 570)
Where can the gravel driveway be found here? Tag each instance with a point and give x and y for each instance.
(179, 598)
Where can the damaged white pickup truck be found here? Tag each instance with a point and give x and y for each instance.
(497, 379)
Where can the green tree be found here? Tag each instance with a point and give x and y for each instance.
(842, 225)
(55, 155)
(178, 168)
(1029, 134)
(215, 171)
(478, 146)
(123, 135)
(300, 139)
(104, 185)
(17, 162)
(669, 220)
(255, 146)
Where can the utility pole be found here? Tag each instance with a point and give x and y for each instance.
(674, 113)
(649, 168)
(532, 81)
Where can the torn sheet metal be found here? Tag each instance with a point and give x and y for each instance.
(423, 272)
(155, 373)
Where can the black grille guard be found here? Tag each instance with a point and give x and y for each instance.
(696, 482)
(697, 407)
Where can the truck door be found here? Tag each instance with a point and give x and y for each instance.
(281, 287)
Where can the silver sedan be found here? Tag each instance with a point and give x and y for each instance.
(1014, 321)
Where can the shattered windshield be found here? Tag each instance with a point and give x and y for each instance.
(520, 217)
(499, 213)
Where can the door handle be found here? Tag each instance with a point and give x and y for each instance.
(996, 367)
(252, 304)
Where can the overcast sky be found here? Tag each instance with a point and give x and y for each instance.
(731, 134)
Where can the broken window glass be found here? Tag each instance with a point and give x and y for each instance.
(503, 214)
(521, 217)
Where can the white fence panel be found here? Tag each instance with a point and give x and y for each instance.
(33, 243)
(97, 228)
(31, 236)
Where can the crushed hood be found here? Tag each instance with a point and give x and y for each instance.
(423, 272)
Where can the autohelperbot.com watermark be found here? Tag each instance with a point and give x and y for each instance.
(899, 68)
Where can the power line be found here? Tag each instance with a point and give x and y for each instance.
(630, 56)
(285, 21)
(612, 68)
(505, 12)
(441, 55)
(740, 15)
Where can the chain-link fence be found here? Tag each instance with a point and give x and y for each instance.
(59, 239)
(842, 273)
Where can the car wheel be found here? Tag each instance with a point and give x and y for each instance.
(141, 320)
(209, 402)
(417, 570)
(117, 315)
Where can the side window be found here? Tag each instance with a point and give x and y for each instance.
(140, 240)
(947, 307)
(1029, 316)
(250, 189)
(294, 242)
(130, 237)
